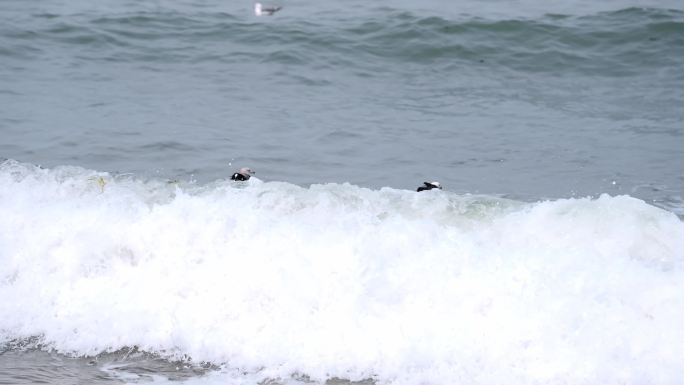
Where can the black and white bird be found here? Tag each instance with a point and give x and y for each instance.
(429, 186)
(260, 9)
(243, 174)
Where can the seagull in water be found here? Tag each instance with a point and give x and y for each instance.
(260, 10)
(243, 174)
(429, 186)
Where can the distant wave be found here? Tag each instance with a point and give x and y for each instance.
(341, 281)
(618, 43)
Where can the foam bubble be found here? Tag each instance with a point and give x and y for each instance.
(342, 281)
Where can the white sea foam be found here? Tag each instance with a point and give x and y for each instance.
(342, 281)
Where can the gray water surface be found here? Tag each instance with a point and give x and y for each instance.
(531, 106)
(33, 366)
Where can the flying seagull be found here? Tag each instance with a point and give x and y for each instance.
(260, 10)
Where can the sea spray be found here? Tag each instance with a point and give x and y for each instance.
(337, 280)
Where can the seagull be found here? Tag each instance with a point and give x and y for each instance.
(243, 174)
(260, 10)
(429, 186)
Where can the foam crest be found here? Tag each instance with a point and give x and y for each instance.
(342, 281)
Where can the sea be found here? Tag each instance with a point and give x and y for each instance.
(552, 255)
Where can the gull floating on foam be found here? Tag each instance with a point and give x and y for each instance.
(243, 174)
(260, 10)
(429, 186)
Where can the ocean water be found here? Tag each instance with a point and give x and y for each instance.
(553, 255)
